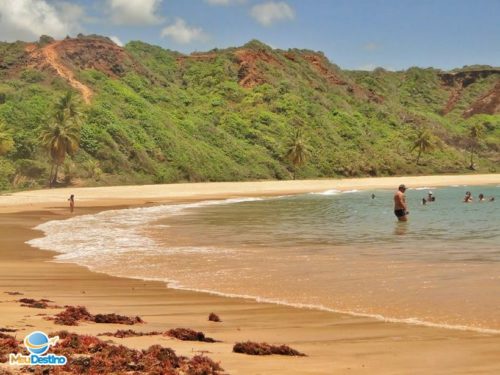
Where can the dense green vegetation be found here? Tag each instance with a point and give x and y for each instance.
(172, 118)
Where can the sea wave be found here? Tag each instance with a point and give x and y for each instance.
(113, 231)
(327, 192)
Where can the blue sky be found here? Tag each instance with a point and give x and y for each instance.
(355, 34)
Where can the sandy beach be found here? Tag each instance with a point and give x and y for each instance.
(334, 343)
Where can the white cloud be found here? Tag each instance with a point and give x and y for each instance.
(134, 12)
(116, 40)
(371, 46)
(28, 19)
(225, 2)
(182, 33)
(268, 13)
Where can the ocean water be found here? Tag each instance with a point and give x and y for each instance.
(335, 251)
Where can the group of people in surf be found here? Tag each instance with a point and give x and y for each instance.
(401, 207)
(468, 197)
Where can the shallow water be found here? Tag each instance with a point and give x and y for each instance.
(334, 251)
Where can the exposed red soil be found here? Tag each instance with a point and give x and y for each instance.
(489, 103)
(249, 72)
(254, 348)
(65, 57)
(321, 65)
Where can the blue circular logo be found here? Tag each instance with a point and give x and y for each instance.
(37, 343)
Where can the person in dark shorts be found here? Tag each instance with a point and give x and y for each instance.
(400, 207)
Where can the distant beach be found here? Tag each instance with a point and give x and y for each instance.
(334, 343)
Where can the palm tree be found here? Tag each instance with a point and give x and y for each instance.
(423, 142)
(67, 106)
(62, 136)
(297, 151)
(476, 132)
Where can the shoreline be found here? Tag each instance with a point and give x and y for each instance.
(335, 342)
(109, 196)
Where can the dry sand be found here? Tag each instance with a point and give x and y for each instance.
(334, 343)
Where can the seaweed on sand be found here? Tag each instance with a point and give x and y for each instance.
(33, 303)
(8, 330)
(121, 333)
(214, 318)
(90, 355)
(74, 314)
(117, 319)
(187, 334)
(8, 344)
(254, 348)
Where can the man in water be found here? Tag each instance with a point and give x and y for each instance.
(400, 207)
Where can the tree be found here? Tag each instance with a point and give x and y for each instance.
(424, 143)
(297, 151)
(476, 133)
(61, 137)
(6, 142)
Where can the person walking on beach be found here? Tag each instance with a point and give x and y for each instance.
(400, 207)
(71, 200)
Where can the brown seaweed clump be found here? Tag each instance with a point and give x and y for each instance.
(90, 355)
(74, 314)
(214, 318)
(254, 348)
(117, 319)
(33, 303)
(187, 334)
(122, 333)
(8, 330)
(8, 344)
(14, 293)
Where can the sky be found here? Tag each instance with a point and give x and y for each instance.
(354, 34)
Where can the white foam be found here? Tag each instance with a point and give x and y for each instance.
(327, 192)
(423, 188)
(111, 232)
(350, 191)
(413, 321)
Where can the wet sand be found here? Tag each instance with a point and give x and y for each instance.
(334, 343)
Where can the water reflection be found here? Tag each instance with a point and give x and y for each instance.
(401, 228)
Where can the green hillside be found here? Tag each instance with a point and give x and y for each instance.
(157, 116)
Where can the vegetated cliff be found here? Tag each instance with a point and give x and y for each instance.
(155, 115)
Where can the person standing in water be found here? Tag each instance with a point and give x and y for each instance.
(71, 200)
(400, 206)
(468, 197)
